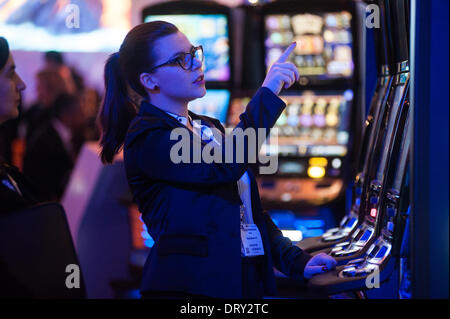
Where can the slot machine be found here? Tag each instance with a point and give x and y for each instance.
(317, 131)
(382, 257)
(372, 126)
(374, 248)
(360, 239)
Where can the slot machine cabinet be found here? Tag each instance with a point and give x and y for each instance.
(324, 111)
(365, 234)
(372, 128)
(369, 180)
(381, 261)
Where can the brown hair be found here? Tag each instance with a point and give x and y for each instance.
(122, 73)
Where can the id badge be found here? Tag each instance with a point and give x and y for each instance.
(251, 240)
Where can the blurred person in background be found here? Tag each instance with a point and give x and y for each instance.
(74, 81)
(52, 150)
(50, 84)
(90, 104)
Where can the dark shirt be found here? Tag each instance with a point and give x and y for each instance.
(47, 163)
(34, 118)
(16, 192)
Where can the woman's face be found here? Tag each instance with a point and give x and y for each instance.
(173, 81)
(10, 87)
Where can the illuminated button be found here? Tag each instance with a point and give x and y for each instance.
(318, 161)
(373, 212)
(286, 197)
(293, 120)
(336, 163)
(348, 95)
(276, 38)
(328, 36)
(316, 172)
(306, 120)
(342, 137)
(319, 120)
(332, 119)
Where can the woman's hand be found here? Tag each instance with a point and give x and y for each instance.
(320, 263)
(282, 73)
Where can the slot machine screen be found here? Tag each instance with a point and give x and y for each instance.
(209, 30)
(312, 133)
(213, 104)
(66, 26)
(314, 125)
(324, 43)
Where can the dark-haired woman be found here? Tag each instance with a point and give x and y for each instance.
(15, 191)
(212, 238)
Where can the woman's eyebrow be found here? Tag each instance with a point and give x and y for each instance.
(175, 54)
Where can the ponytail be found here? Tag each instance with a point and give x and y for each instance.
(122, 77)
(116, 112)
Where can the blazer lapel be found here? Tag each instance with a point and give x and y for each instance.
(148, 110)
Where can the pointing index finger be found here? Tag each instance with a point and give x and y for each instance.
(286, 53)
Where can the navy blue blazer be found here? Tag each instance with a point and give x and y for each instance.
(191, 210)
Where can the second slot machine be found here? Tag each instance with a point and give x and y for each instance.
(321, 124)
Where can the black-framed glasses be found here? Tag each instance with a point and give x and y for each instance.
(185, 60)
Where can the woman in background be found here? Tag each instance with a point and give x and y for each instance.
(15, 190)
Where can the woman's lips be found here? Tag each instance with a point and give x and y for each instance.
(200, 80)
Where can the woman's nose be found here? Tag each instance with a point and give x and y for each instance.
(20, 84)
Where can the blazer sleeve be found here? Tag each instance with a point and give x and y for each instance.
(287, 258)
(152, 153)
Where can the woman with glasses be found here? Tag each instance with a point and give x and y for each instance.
(212, 238)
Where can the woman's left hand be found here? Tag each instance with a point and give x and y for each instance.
(320, 263)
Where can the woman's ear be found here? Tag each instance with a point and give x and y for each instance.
(148, 81)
